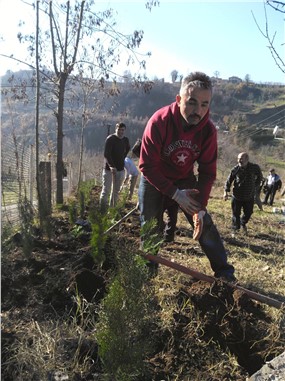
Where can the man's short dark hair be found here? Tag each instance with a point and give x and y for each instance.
(120, 125)
(195, 79)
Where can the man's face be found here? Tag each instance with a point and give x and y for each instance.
(194, 105)
(120, 132)
(242, 160)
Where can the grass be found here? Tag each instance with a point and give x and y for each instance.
(259, 257)
(41, 348)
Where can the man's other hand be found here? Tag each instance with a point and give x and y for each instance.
(198, 224)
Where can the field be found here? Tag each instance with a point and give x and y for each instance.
(53, 309)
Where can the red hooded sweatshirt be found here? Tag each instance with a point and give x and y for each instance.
(168, 153)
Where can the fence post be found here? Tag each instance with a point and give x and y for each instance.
(45, 186)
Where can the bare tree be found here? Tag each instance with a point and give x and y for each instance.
(80, 40)
(216, 74)
(174, 75)
(90, 97)
(247, 79)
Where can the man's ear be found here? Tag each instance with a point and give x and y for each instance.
(178, 99)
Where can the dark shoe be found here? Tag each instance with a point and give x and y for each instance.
(229, 278)
(169, 238)
(244, 229)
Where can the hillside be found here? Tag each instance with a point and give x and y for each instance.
(235, 108)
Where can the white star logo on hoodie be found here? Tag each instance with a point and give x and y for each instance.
(181, 158)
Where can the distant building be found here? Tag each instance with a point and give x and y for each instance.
(235, 79)
(216, 80)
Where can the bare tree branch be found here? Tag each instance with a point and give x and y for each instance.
(278, 6)
(270, 38)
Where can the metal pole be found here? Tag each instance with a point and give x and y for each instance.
(197, 275)
(122, 219)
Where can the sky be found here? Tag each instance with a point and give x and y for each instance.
(210, 36)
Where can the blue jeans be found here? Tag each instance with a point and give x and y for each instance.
(151, 206)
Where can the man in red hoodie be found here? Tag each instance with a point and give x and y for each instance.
(175, 138)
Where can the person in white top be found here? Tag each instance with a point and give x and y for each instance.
(131, 176)
(273, 183)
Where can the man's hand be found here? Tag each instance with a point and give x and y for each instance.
(198, 224)
(185, 201)
(113, 170)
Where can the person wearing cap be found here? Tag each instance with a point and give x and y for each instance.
(178, 137)
(246, 177)
(116, 149)
(272, 185)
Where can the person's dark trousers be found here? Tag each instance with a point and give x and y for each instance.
(171, 209)
(151, 206)
(257, 199)
(268, 193)
(272, 195)
(237, 206)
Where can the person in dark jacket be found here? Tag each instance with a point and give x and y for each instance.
(176, 138)
(257, 199)
(246, 177)
(272, 185)
(116, 149)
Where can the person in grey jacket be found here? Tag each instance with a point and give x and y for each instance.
(245, 177)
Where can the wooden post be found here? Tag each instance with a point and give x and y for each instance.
(45, 187)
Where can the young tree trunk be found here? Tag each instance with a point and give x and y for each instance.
(41, 208)
(81, 154)
(59, 162)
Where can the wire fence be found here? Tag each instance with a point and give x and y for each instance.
(18, 179)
